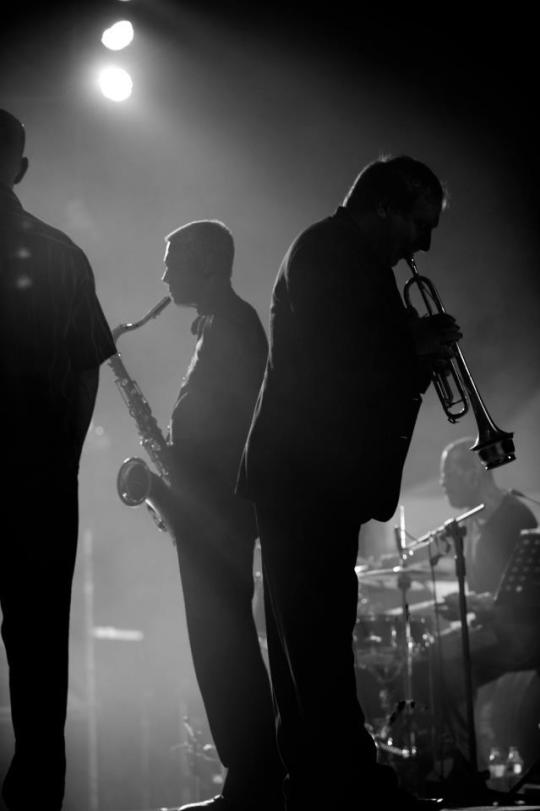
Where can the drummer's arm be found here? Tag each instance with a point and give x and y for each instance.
(481, 605)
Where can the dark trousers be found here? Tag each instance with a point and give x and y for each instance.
(216, 568)
(309, 552)
(37, 558)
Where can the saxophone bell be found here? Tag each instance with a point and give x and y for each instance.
(134, 481)
(137, 484)
(455, 386)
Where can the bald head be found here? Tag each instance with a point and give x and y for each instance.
(463, 477)
(13, 164)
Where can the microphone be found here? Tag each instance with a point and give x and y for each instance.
(400, 534)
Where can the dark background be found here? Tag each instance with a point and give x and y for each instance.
(262, 115)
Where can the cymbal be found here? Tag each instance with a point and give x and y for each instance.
(388, 577)
(374, 574)
(426, 606)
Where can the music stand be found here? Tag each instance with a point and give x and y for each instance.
(519, 587)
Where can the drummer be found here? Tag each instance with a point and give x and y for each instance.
(490, 537)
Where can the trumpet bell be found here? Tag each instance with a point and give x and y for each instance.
(496, 451)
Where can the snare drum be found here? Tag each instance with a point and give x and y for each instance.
(379, 639)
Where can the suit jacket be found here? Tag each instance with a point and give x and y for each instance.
(212, 414)
(341, 391)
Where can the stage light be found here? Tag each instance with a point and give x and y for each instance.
(118, 36)
(115, 83)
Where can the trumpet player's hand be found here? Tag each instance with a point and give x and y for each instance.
(434, 335)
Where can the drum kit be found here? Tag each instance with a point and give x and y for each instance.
(393, 651)
(393, 665)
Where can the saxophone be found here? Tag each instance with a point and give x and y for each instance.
(136, 482)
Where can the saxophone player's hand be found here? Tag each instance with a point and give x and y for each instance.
(434, 335)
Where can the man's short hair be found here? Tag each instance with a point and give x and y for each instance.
(398, 181)
(12, 138)
(210, 241)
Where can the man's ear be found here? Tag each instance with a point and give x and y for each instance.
(22, 171)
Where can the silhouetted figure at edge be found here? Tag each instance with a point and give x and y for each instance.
(325, 453)
(53, 339)
(215, 531)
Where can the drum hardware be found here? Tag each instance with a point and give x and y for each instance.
(379, 672)
(199, 754)
(519, 591)
(378, 641)
(381, 649)
(385, 735)
(406, 704)
(452, 530)
(423, 606)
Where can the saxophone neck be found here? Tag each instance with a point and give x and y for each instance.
(156, 310)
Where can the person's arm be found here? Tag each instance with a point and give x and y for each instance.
(87, 387)
(481, 604)
(89, 340)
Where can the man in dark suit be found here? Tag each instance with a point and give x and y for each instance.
(325, 453)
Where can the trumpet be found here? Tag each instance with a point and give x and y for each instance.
(456, 388)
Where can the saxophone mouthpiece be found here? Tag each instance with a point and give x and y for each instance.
(159, 307)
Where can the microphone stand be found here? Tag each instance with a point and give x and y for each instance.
(452, 529)
(457, 534)
(409, 750)
(404, 584)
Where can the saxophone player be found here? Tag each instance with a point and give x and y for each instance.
(215, 531)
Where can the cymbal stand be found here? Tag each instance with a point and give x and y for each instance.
(456, 533)
(406, 705)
